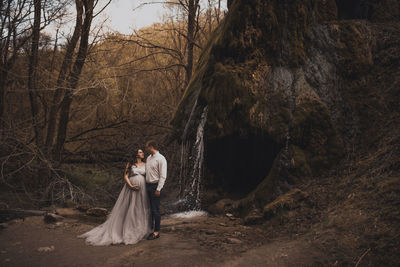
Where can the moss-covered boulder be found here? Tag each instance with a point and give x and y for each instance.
(289, 201)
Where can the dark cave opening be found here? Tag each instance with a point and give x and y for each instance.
(237, 164)
(353, 9)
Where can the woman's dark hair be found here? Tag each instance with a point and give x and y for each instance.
(132, 160)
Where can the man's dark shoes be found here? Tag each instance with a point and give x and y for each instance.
(152, 236)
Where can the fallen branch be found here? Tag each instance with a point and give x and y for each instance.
(9, 214)
(362, 256)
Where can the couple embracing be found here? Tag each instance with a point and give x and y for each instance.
(136, 213)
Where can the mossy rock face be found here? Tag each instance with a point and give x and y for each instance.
(227, 98)
(254, 33)
(271, 75)
(313, 132)
(355, 53)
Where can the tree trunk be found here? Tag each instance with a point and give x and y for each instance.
(32, 75)
(3, 60)
(66, 65)
(3, 80)
(74, 79)
(191, 30)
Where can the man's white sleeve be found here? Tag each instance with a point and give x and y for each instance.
(162, 165)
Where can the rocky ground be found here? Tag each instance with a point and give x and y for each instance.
(199, 241)
(347, 217)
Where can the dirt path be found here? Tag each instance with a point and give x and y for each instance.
(279, 253)
(201, 241)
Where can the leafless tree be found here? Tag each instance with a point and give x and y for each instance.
(89, 98)
(65, 67)
(74, 77)
(15, 33)
(33, 62)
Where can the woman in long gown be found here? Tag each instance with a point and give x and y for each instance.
(128, 221)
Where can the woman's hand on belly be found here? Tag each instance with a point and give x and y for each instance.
(135, 187)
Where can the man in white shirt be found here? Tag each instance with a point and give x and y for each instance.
(156, 174)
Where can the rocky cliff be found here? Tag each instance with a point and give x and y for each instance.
(287, 85)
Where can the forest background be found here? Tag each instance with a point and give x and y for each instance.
(74, 108)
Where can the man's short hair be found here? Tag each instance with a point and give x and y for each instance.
(152, 143)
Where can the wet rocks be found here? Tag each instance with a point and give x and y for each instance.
(222, 206)
(230, 216)
(254, 217)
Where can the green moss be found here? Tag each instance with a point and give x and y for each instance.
(256, 31)
(288, 201)
(228, 100)
(273, 115)
(299, 167)
(313, 131)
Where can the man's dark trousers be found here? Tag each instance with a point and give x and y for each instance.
(154, 206)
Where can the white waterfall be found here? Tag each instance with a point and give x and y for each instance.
(199, 160)
(185, 151)
(192, 161)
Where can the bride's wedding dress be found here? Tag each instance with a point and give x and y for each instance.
(128, 221)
